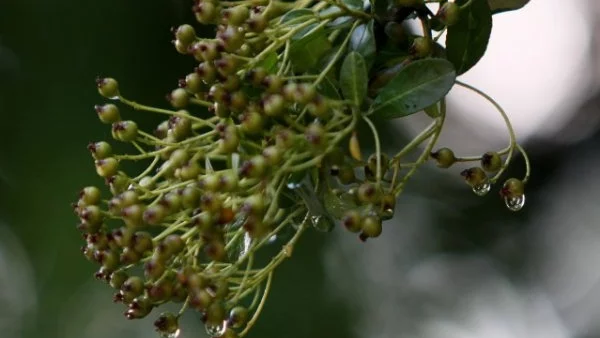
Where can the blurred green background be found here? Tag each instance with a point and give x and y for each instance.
(443, 252)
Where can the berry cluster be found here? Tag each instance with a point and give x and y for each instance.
(262, 142)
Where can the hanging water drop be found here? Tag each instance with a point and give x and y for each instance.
(515, 203)
(482, 189)
(174, 334)
(215, 330)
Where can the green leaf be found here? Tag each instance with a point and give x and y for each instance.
(467, 40)
(354, 78)
(328, 88)
(499, 6)
(297, 13)
(306, 52)
(362, 41)
(336, 205)
(269, 62)
(354, 4)
(299, 16)
(416, 87)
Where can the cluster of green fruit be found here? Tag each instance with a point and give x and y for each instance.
(262, 141)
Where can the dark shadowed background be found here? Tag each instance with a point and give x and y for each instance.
(450, 264)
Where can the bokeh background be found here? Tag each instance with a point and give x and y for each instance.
(449, 265)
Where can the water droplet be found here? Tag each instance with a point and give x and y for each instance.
(387, 214)
(318, 215)
(170, 335)
(322, 222)
(216, 330)
(114, 98)
(272, 239)
(482, 189)
(515, 203)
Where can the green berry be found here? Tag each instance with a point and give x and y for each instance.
(125, 131)
(117, 279)
(352, 221)
(449, 13)
(108, 113)
(371, 227)
(155, 214)
(238, 316)
(90, 195)
(108, 87)
(474, 176)
(491, 161)
(315, 135)
(254, 168)
(252, 122)
(273, 105)
(421, 47)
(207, 72)
(273, 155)
(100, 150)
(186, 34)
(513, 188)
(445, 157)
(167, 324)
(236, 16)
(368, 193)
(206, 12)
(179, 98)
(107, 167)
(193, 82)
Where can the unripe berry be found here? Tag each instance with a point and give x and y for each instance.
(254, 168)
(107, 167)
(117, 279)
(190, 196)
(229, 140)
(318, 107)
(368, 193)
(206, 12)
(449, 13)
(273, 83)
(141, 242)
(205, 51)
(226, 64)
(371, 167)
(236, 16)
(154, 214)
(491, 161)
(171, 245)
(421, 47)
(108, 87)
(207, 72)
(189, 171)
(251, 122)
(133, 215)
(228, 181)
(132, 287)
(371, 227)
(125, 131)
(445, 157)
(108, 113)
(181, 48)
(215, 251)
(254, 205)
(257, 76)
(210, 202)
(352, 221)
(100, 150)
(193, 82)
(204, 221)
(474, 176)
(178, 98)
(180, 126)
(388, 205)
(167, 325)
(315, 135)
(273, 155)
(512, 188)
(90, 195)
(274, 105)
(179, 157)
(231, 38)
(186, 34)
(238, 101)
(284, 138)
(91, 214)
(238, 317)
(257, 23)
